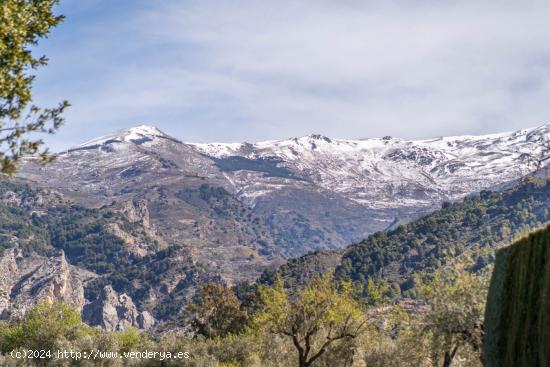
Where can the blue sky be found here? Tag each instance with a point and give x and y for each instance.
(256, 70)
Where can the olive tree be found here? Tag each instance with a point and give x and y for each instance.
(217, 311)
(322, 317)
(457, 299)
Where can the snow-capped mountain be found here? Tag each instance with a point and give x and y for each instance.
(392, 172)
(136, 134)
(240, 206)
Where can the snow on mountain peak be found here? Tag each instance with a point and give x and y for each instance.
(377, 170)
(136, 134)
(145, 130)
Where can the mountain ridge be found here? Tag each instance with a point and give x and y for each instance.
(417, 172)
(474, 228)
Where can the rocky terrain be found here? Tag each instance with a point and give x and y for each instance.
(25, 279)
(113, 311)
(108, 262)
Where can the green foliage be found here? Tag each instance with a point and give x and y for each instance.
(517, 318)
(378, 292)
(44, 327)
(129, 339)
(399, 342)
(84, 235)
(324, 323)
(80, 232)
(445, 329)
(217, 311)
(325, 315)
(457, 300)
(248, 295)
(22, 24)
(479, 222)
(298, 272)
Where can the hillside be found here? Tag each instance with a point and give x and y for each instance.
(478, 224)
(137, 219)
(54, 249)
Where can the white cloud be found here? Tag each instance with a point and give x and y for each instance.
(248, 70)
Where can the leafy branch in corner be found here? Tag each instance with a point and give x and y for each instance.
(22, 24)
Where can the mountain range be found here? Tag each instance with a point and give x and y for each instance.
(302, 193)
(137, 218)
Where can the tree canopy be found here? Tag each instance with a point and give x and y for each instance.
(23, 23)
(324, 314)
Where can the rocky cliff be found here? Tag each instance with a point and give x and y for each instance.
(113, 311)
(27, 280)
(107, 262)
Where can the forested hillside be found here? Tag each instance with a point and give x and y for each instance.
(245, 206)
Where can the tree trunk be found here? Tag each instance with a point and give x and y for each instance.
(302, 362)
(449, 356)
(447, 360)
(302, 355)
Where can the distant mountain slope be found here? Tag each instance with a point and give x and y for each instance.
(145, 163)
(481, 220)
(298, 272)
(478, 223)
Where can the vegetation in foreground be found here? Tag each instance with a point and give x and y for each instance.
(323, 325)
(22, 25)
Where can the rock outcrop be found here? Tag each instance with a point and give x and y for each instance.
(25, 281)
(42, 198)
(8, 269)
(113, 311)
(517, 318)
(137, 212)
(139, 242)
